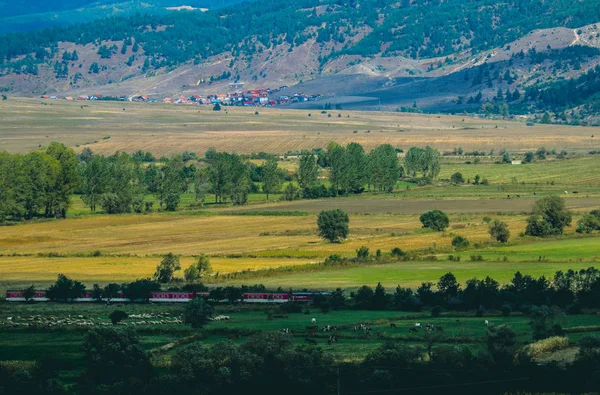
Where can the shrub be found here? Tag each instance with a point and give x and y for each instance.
(457, 178)
(589, 222)
(548, 345)
(528, 157)
(397, 252)
(476, 258)
(460, 242)
(289, 308)
(117, 316)
(435, 219)
(549, 217)
(362, 252)
(506, 310)
(436, 311)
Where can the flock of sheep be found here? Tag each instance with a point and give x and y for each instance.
(81, 321)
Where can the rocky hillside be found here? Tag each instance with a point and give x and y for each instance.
(451, 55)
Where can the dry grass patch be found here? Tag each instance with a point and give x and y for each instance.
(166, 129)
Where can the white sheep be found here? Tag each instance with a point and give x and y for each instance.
(486, 322)
(313, 321)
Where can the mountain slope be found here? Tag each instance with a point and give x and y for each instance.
(441, 54)
(18, 16)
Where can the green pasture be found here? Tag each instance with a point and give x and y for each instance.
(580, 249)
(408, 273)
(64, 343)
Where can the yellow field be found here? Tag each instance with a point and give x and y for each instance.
(23, 269)
(166, 129)
(235, 243)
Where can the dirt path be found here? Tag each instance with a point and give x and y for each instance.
(397, 206)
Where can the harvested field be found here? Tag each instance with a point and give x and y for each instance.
(167, 129)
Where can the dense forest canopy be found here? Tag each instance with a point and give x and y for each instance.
(418, 29)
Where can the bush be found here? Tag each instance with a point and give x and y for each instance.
(436, 311)
(397, 252)
(362, 252)
(290, 308)
(476, 258)
(117, 316)
(506, 310)
(549, 217)
(435, 219)
(457, 178)
(548, 345)
(589, 222)
(460, 242)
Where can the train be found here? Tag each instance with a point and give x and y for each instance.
(179, 297)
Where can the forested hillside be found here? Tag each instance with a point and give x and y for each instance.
(36, 14)
(477, 46)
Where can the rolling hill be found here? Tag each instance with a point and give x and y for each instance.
(451, 55)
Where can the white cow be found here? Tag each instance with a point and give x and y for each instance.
(418, 325)
(486, 322)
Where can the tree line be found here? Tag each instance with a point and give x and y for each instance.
(570, 290)
(41, 183)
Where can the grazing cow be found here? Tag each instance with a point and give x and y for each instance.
(313, 321)
(392, 325)
(311, 341)
(575, 192)
(379, 335)
(412, 330)
(418, 325)
(439, 329)
(486, 322)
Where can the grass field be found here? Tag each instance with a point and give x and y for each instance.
(130, 247)
(167, 129)
(64, 343)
